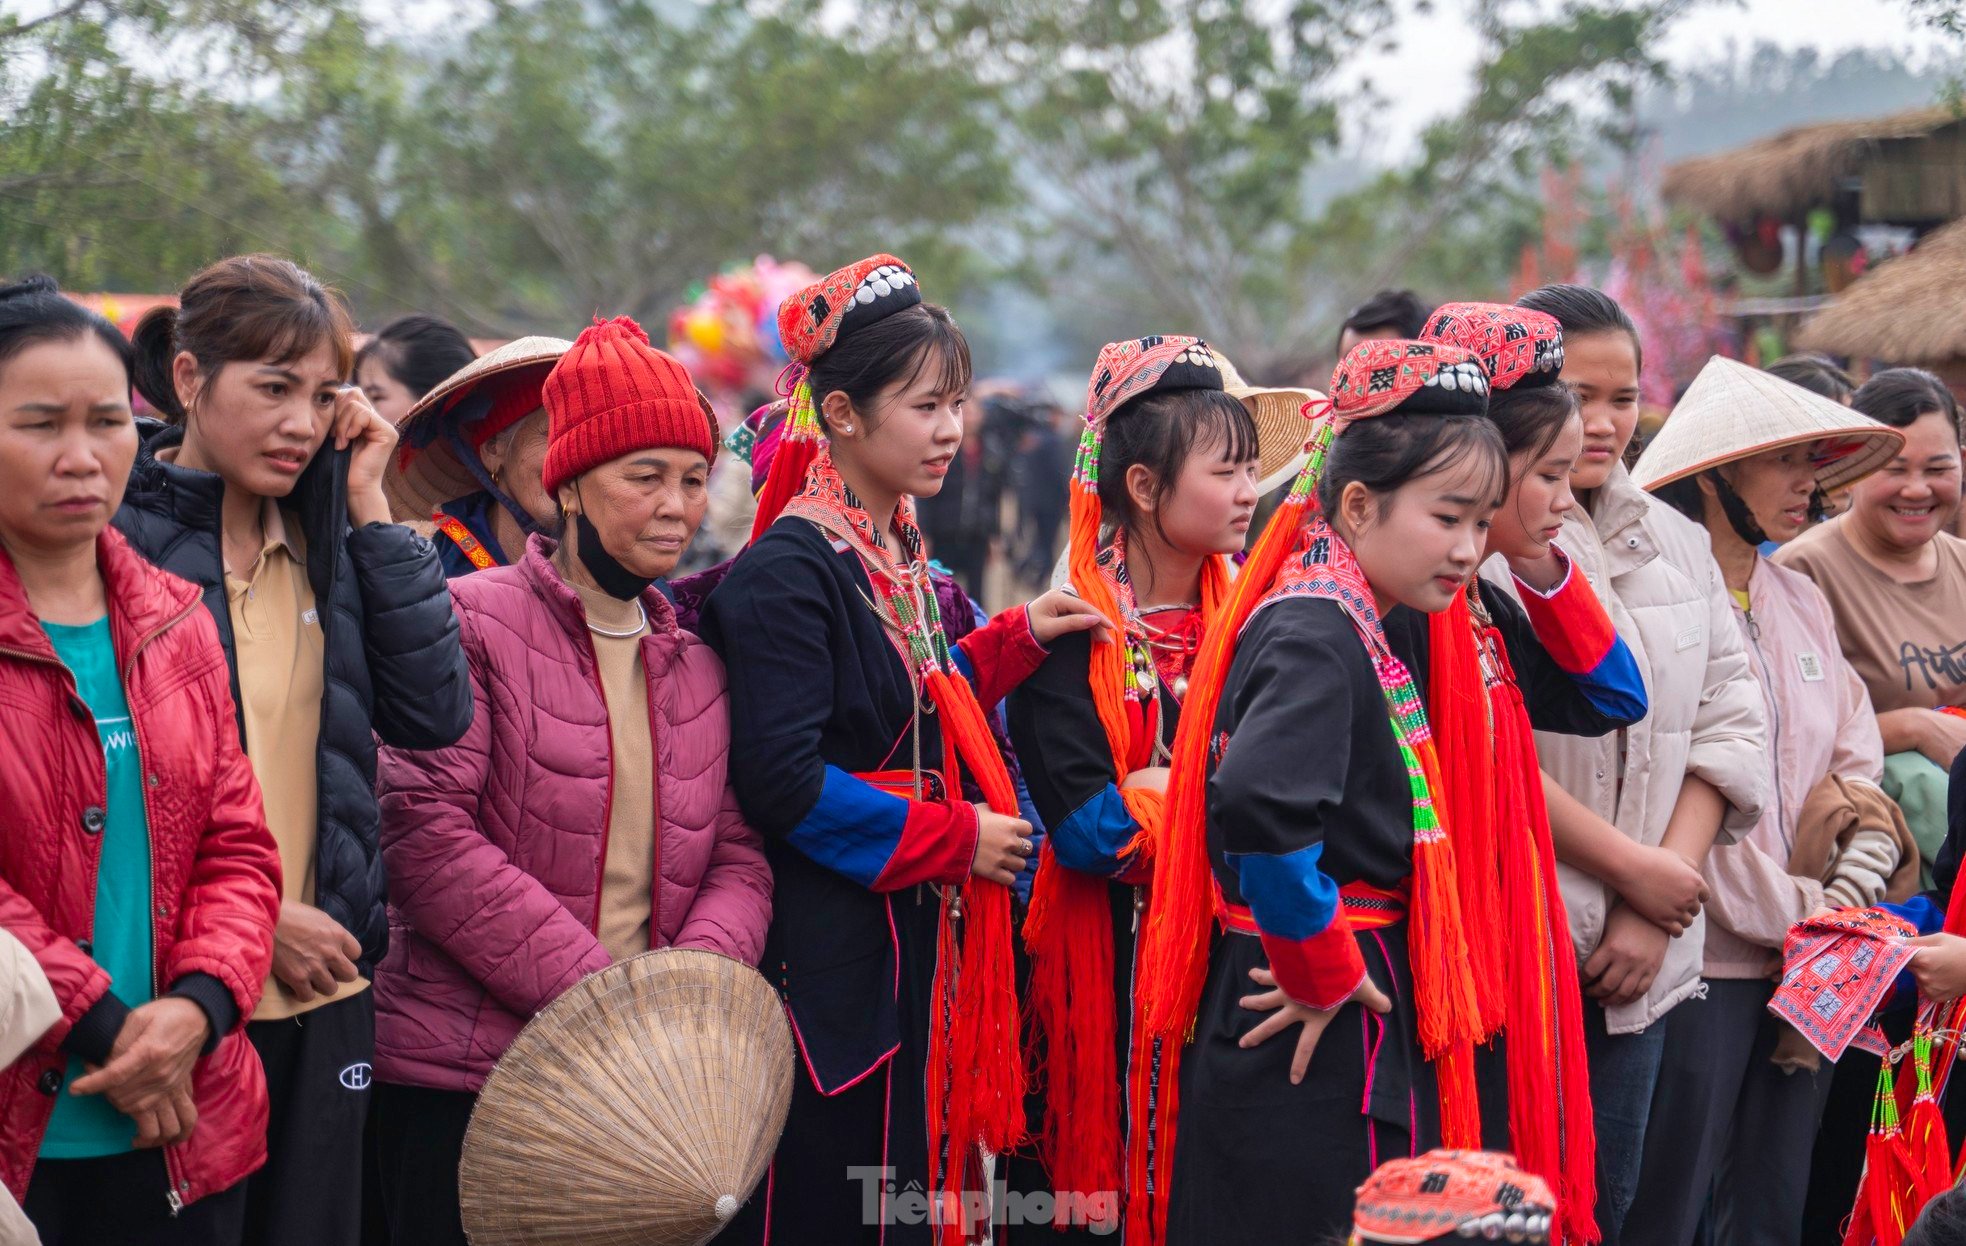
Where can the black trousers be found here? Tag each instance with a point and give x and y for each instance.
(317, 1086)
(118, 1200)
(1726, 1125)
(419, 1139)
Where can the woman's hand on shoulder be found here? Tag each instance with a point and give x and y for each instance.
(1059, 613)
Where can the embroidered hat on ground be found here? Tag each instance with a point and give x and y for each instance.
(427, 471)
(845, 300)
(643, 1105)
(1732, 411)
(1465, 1194)
(1519, 347)
(1283, 416)
(613, 393)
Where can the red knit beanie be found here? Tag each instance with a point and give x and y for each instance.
(613, 393)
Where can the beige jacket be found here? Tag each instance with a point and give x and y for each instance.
(27, 1009)
(1654, 571)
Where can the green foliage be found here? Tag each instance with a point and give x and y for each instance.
(1149, 163)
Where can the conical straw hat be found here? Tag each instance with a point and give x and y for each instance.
(421, 480)
(1283, 430)
(1731, 411)
(641, 1106)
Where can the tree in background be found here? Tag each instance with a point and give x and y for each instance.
(128, 153)
(552, 160)
(1180, 157)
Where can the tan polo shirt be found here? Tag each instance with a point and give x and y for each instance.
(628, 874)
(276, 637)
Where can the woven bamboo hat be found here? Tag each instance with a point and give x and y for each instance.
(641, 1106)
(1731, 411)
(1283, 430)
(427, 473)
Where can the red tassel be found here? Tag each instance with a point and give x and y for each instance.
(1551, 1126)
(1459, 714)
(976, 1072)
(1070, 934)
(783, 482)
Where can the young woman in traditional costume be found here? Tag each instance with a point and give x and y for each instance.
(1493, 670)
(857, 734)
(1301, 816)
(1166, 485)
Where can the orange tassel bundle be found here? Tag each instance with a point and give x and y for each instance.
(1507, 869)
(1069, 930)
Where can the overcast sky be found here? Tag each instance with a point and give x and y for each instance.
(1428, 75)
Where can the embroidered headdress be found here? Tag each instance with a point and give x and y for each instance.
(810, 323)
(1517, 347)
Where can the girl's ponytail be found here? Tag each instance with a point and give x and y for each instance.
(155, 343)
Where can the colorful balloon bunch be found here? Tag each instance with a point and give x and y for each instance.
(727, 332)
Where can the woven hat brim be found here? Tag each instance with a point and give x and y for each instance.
(1282, 431)
(433, 475)
(642, 1105)
(1732, 412)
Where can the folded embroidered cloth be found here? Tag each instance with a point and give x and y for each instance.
(1837, 970)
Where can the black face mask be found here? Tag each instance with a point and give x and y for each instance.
(615, 580)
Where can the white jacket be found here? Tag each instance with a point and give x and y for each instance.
(1654, 571)
(27, 1009)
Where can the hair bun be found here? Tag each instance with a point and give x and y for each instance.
(38, 283)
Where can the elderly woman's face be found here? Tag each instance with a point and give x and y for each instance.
(516, 459)
(67, 440)
(1905, 505)
(645, 505)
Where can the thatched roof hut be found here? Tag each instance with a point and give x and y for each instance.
(1788, 174)
(1910, 310)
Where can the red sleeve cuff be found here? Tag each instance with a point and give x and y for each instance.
(1003, 653)
(1569, 621)
(938, 845)
(1319, 972)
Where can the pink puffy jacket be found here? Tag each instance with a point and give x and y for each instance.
(495, 845)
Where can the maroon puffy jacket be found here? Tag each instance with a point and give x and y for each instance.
(214, 867)
(495, 845)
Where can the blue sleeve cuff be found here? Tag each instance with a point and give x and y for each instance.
(853, 828)
(1289, 896)
(1093, 838)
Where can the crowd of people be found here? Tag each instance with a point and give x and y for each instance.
(1409, 764)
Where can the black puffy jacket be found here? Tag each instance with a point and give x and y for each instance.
(394, 665)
